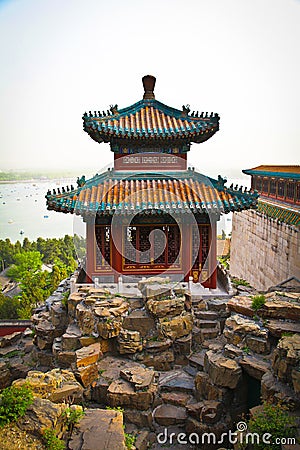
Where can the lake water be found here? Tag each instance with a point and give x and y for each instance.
(23, 207)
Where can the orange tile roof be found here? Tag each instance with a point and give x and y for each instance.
(107, 195)
(268, 168)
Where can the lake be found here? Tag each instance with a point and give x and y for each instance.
(23, 208)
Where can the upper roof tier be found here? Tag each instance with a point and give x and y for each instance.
(292, 172)
(150, 121)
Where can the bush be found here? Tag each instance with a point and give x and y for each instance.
(14, 402)
(9, 307)
(240, 282)
(273, 419)
(129, 440)
(52, 442)
(72, 416)
(258, 302)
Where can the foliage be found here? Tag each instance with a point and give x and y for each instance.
(72, 416)
(129, 440)
(28, 263)
(273, 419)
(225, 260)
(8, 307)
(258, 302)
(14, 402)
(240, 282)
(52, 442)
(115, 408)
(51, 249)
(246, 350)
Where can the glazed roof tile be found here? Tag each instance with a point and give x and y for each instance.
(109, 193)
(275, 171)
(286, 214)
(150, 120)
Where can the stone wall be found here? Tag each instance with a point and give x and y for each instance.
(263, 251)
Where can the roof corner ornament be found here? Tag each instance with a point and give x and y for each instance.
(81, 181)
(221, 182)
(185, 110)
(114, 109)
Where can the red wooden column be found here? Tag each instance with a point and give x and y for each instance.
(90, 249)
(116, 248)
(213, 255)
(186, 229)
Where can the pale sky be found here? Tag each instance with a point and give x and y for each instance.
(60, 58)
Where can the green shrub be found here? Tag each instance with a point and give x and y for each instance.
(52, 442)
(115, 408)
(240, 282)
(273, 419)
(258, 302)
(14, 402)
(72, 416)
(129, 440)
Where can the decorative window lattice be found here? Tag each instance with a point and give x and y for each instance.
(102, 234)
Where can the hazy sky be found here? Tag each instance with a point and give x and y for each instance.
(59, 58)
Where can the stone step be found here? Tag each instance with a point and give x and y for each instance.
(99, 429)
(209, 333)
(190, 370)
(197, 360)
(207, 323)
(176, 398)
(167, 415)
(176, 381)
(206, 315)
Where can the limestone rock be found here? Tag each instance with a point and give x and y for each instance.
(167, 415)
(122, 393)
(142, 419)
(87, 374)
(176, 398)
(99, 429)
(70, 339)
(258, 344)
(176, 327)
(176, 381)
(223, 371)
(129, 342)
(275, 391)
(279, 327)
(43, 414)
(166, 308)
(281, 309)
(255, 367)
(140, 321)
(159, 361)
(241, 305)
(73, 300)
(56, 385)
(58, 315)
(139, 377)
(109, 328)
(158, 346)
(4, 375)
(286, 357)
(207, 411)
(85, 319)
(207, 390)
(88, 355)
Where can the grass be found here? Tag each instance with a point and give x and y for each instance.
(258, 302)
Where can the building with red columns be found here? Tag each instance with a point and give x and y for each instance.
(151, 214)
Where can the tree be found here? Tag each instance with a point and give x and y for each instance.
(25, 263)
